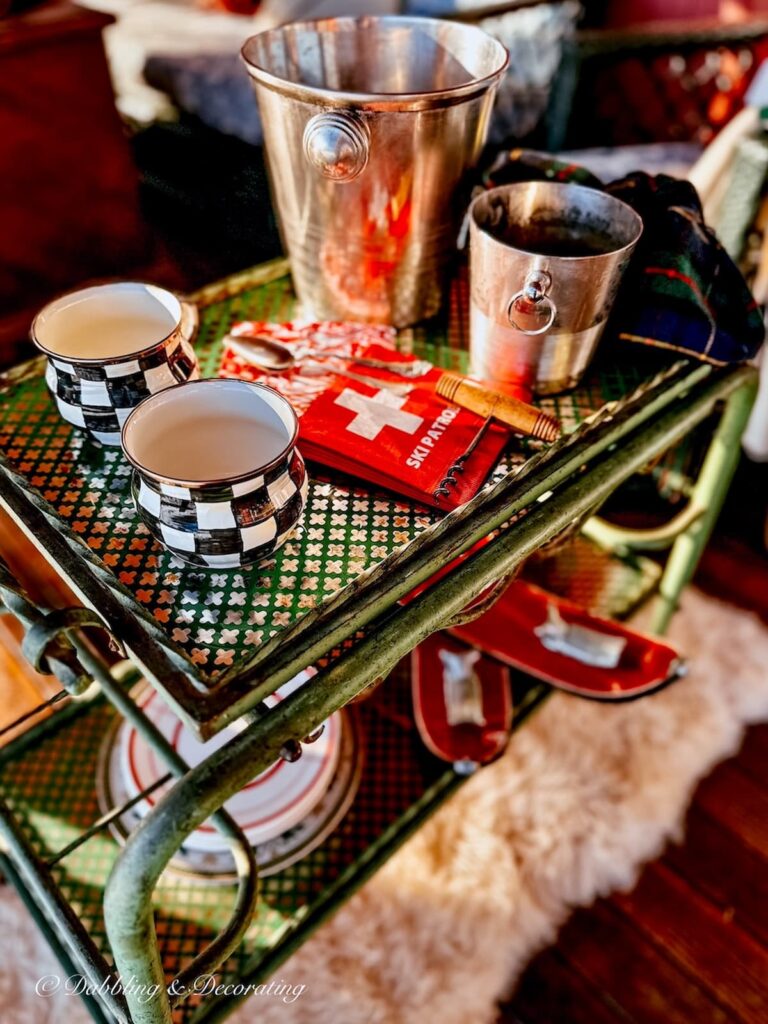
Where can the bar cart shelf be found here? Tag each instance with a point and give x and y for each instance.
(215, 645)
(49, 784)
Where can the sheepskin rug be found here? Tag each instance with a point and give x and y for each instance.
(586, 793)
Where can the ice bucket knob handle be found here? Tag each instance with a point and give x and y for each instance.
(531, 310)
(337, 144)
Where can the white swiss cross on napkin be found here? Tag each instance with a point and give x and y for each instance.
(374, 412)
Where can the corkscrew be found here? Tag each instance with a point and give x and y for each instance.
(493, 405)
(450, 480)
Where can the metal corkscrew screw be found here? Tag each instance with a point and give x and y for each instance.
(450, 480)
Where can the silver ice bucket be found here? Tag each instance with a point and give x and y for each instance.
(546, 261)
(371, 126)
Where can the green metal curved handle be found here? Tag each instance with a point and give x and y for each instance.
(140, 944)
(127, 902)
(133, 937)
(617, 538)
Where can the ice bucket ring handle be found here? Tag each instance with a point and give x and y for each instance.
(337, 143)
(532, 303)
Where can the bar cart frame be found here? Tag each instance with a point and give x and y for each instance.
(360, 637)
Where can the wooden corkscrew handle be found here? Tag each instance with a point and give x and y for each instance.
(521, 417)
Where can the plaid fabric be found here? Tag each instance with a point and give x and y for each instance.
(99, 398)
(225, 527)
(682, 291)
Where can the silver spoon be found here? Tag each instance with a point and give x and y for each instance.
(275, 357)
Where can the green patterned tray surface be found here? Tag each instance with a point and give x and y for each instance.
(218, 619)
(51, 788)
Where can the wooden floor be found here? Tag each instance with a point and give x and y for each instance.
(690, 944)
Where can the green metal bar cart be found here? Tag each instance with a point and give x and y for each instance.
(216, 645)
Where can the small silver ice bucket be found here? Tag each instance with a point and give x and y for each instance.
(370, 126)
(546, 260)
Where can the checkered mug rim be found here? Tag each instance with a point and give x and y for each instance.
(224, 383)
(186, 323)
(228, 522)
(97, 394)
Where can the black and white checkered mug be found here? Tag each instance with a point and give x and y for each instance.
(111, 346)
(217, 475)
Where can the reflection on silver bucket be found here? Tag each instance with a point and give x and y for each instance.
(371, 125)
(546, 260)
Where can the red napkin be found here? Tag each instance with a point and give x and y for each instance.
(406, 444)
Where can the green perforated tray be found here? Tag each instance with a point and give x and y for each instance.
(215, 622)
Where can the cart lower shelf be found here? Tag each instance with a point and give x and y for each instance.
(49, 779)
(50, 786)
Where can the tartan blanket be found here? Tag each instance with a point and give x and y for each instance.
(682, 291)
